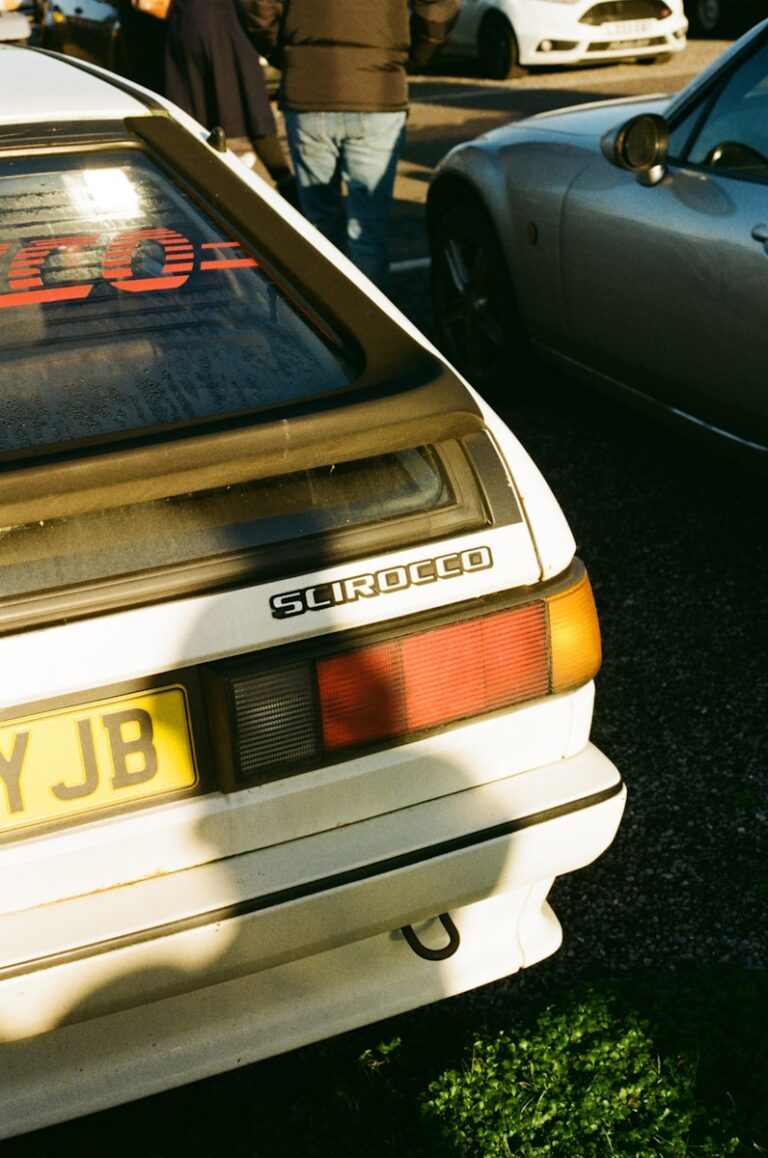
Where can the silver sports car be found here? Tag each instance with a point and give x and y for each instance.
(625, 242)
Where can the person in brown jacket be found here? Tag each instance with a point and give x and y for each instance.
(344, 96)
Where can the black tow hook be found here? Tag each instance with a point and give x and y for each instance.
(454, 940)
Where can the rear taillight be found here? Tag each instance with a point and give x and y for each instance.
(298, 715)
(433, 678)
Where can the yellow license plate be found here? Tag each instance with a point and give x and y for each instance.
(62, 764)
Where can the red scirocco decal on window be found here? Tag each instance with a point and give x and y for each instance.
(25, 273)
(179, 260)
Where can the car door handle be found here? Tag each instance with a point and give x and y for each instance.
(760, 233)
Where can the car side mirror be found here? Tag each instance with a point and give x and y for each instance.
(639, 146)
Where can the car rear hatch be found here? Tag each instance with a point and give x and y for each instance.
(268, 566)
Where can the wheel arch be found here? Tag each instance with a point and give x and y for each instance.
(455, 194)
(448, 188)
(494, 10)
(500, 14)
(444, 191)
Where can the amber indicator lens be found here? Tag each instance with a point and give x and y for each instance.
(574, 635)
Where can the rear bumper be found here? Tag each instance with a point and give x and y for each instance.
(88, 1067)
(128, 1016)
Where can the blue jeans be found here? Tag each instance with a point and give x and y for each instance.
(359, 150)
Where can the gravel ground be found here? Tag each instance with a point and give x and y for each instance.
(676, 547)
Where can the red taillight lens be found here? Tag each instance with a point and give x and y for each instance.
(434, 677)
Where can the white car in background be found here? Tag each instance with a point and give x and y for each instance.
(296, 654)
(507, 37)
(15, 26)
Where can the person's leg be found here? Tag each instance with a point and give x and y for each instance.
(316, 155)
(372, 146)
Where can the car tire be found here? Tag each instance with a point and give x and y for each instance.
(706, 17)
(497, 50)
(473, 300)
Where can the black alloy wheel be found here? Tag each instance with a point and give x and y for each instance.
(706, 17)
(473, 300)
(497, 48)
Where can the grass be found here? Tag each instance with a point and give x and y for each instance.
(669, 1065)
(589, 1080)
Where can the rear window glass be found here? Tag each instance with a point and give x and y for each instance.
(124, 309)
(208, 525)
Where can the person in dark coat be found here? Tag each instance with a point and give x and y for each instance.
(213, 72)
(344, 95)
(142, 46)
